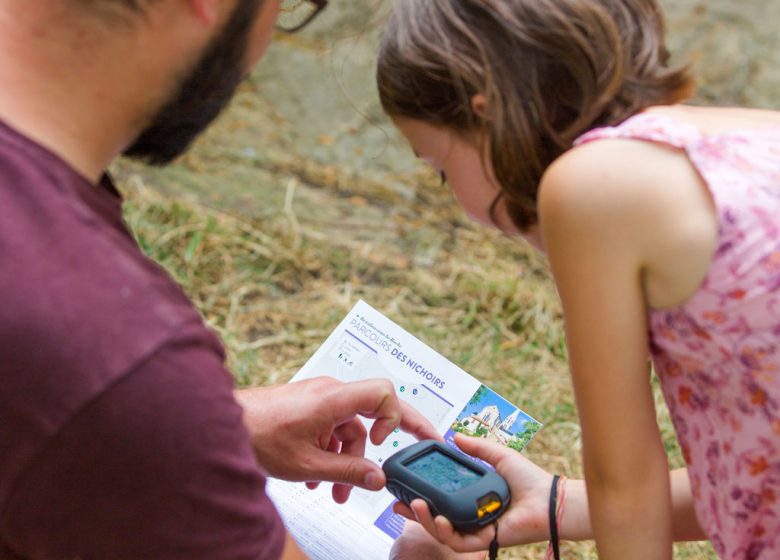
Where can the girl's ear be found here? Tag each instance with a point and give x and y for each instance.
(479, 104)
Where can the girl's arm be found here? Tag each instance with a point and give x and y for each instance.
(597, 227)
(686, 524)
(575, 525)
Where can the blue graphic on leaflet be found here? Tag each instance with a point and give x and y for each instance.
(390, 523)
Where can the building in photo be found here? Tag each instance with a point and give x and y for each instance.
(488, 423)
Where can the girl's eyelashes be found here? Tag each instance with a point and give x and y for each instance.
(443, 177)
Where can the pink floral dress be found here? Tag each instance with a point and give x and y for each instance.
(718, 354)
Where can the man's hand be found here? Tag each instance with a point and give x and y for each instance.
(524, 522)
(310, 431)
(416, 543)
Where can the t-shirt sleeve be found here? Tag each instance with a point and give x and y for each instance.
(158, 466)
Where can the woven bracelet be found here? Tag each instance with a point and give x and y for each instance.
(553, 510)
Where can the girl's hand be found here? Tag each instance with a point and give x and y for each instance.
(416, 543)
(526, 520)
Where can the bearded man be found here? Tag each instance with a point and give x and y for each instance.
(120, 432)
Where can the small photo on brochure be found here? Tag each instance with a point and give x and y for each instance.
(490, 416)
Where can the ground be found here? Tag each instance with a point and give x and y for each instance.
(302, 199)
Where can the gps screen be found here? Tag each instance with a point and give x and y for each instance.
(443, 472)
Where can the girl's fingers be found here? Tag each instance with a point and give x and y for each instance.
(423, 516)
(403, 510)
(441, 529)
(445, 529)
(463, 542)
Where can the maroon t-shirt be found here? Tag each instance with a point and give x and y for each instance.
(119, 434)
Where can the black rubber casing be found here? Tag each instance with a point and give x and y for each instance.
(461, 507)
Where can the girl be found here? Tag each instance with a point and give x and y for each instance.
(559, 120)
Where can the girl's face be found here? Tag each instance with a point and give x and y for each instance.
(461, 164)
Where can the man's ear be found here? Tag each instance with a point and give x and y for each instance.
(479, 104)
(207, 11)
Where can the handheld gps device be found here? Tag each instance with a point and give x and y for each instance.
(468, 494)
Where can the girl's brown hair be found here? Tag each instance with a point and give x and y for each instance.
(549, 70)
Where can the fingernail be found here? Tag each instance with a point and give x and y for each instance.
(373, 481)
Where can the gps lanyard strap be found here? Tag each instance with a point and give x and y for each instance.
(493, 551)
(553, 518)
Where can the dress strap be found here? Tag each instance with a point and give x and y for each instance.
(647, 126)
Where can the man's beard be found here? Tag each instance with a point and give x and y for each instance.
(202, 95)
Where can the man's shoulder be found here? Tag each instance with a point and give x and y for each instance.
(81, 301)
(82, 306)
(79, 295)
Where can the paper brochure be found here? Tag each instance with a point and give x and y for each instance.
(368, 345)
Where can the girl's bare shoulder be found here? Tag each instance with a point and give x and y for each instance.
(645, 197)
(617, 175)
(632, 170)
